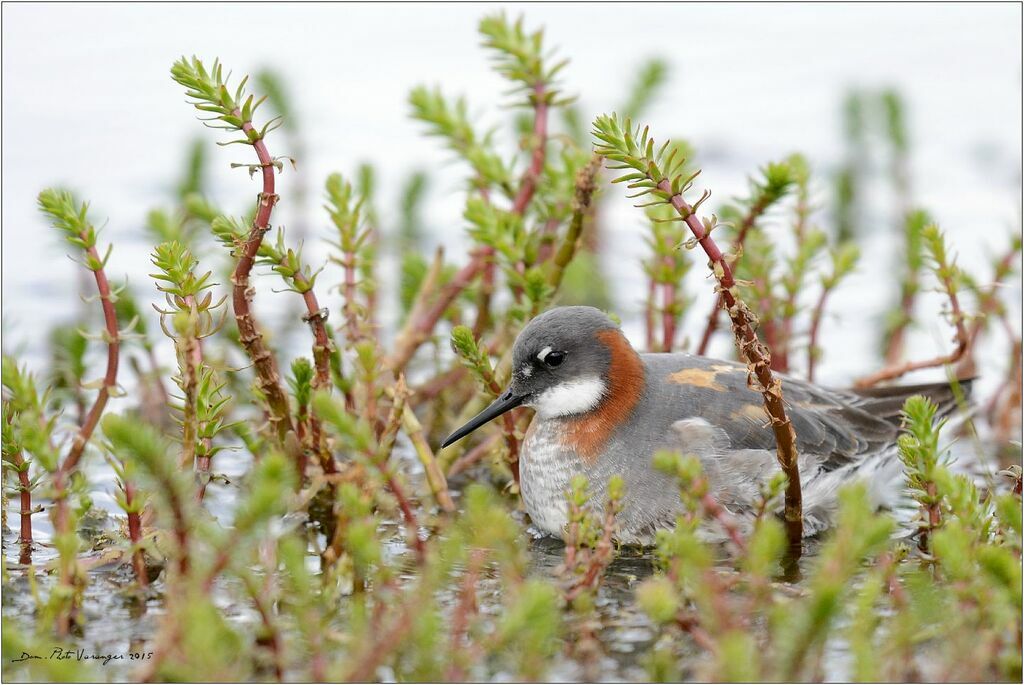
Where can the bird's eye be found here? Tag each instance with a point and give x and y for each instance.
(553, 359)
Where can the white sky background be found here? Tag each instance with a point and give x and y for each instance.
(88, 102)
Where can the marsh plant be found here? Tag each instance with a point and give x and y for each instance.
(347, 546)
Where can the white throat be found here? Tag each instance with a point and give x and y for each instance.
(577, 396)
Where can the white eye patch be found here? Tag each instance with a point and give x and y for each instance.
(543, 353)
(576, 396)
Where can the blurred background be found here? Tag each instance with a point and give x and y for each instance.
(89, 104)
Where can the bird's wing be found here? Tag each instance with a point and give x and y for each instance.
(834, 426)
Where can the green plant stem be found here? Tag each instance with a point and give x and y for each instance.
(379, 458)
(582, 198)
(435, 476)
(189, 352)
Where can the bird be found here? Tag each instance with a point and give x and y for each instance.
(603, 409)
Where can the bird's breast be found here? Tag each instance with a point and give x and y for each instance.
(546, 468)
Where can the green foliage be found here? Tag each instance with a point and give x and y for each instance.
(473, 358)
(410, 228)
(650, 79)
(450, 121)
(213, 406)
(301, 381)
(176, 276)
(347, 208)
(72, 219)
(633, 148)
(520, 56)
(209, 92)
(287, 263)
(860, 585)
(149, 451)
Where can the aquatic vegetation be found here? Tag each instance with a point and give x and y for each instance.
(283, 511)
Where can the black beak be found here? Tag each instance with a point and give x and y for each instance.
(504, 403)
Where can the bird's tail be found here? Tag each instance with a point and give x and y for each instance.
(886, 402)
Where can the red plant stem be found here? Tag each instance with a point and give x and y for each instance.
(988, 304)
(649, 314)
(780, 356)
(424, 318)
(181, 529)
(894, 347)
(274, 642)
(63, 474)
(689, 624)
(157, 376)
(322, 350)
(135, 535)
(812, 345)
(465, 608)
(317, 317)
(528, 184)
(758, 357)
(268, 376)
(547, 243)
(380, 459)
(962, 344)
(438, 384)
(25, 500)
(351, 319)
(109, 379)
(483, 309)
(220, 563)
(668, 317)
(189, 418)
(716, 511)
(1005, 418)
(509, 421)
(473, 456)
(365, 669)
(597, 561)
(709, 328)
(737, 248)
(407, 513)
(527, 188)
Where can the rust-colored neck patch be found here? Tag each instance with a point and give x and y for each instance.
(588, 434)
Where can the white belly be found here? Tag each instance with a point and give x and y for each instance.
(545, 470)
